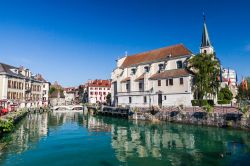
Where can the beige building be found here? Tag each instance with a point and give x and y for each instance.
(154, 78)
(20, 87)
(56, 97)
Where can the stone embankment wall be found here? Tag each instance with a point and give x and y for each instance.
(227, 119)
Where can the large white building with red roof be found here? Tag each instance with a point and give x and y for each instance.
(158, 77)
(154, 78)
(97, 91)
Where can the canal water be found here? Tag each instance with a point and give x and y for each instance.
(60, 139)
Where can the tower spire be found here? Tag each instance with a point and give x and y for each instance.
(206, 46)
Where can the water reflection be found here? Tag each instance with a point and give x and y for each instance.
(175, 144)
(94, 124)
(57, 119)
(27, 132)
(122, 141)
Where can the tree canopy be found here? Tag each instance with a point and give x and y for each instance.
(206, 68)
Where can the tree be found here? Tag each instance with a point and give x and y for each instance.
(51, 90)
(108, 99)
(225, 94)
(206, 68)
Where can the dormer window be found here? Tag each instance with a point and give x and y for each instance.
(14, 71)
(179, 64)
(133, 71)
(146, 69)
(161, 67)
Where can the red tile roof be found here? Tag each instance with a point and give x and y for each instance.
(99, 83)
(171, 74)
(155, 55)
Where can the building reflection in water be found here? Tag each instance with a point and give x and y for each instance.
(136, 142)
(140, 140)
(171, 143)
(59, 118)
(94, 124)
(28, 131)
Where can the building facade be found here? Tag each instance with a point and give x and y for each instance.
(56, 96)
(160, 77)
(20, 87)
(45, 89)
(71, 95)
(155, 78)
(230, 76)
(96, 91)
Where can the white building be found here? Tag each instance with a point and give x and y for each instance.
(45, 89)
(71, 95)
(158, 77)
(154, 78)
(97, 91)
(19, 87)
(231, 75)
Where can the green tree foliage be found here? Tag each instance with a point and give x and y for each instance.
(108, 99)
(51, 90)
(206, 68)
(225, 94)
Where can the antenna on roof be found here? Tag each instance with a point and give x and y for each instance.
(126, 53)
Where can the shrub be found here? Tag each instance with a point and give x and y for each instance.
(220, 96)
(6, 125)
(202, 102)
(7, 122)
(195, 102)
(244, 108)
(223, 102)
(225, 94)
(208, 108)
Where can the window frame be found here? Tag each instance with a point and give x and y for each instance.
(181, 81)
(167, 82)
(179, 62)
(171, 82)
(159, 82)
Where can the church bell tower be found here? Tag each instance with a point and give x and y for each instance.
(206, 46)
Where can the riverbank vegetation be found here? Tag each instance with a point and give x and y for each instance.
(7, 121)
(225, 96)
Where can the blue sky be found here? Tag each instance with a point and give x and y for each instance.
(72, 41)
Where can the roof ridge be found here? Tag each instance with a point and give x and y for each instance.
(1, 63)
(171, 46)
(176, 50)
